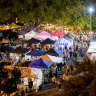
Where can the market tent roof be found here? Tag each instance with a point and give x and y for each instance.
(70, 35)
(55, 59)
(36, 53)
(57, 33)
(25, 64)
(45, 57)
(52, 58)
(18, 41)
(43, 35)
(31, 32)
(33, 41)
(64, 42)
(19, 50)
(47, 41)
(6, 48)
(13, 25)
(53, 52)
(20, 32)
(68, 39)
(25, 71)
(40, 63)
(54, 38)
(4, 40)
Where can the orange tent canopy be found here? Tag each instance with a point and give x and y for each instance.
(45, 57)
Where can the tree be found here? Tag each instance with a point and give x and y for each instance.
(8, 79)
(62, 12)
(82, 84)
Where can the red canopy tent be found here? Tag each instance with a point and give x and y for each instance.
(57, 33)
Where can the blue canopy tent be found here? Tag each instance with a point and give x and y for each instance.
(41, 63)
(36, 53)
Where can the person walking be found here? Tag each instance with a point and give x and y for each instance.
(22, 92)
(30, 84)
(53, 81)
(59, 84)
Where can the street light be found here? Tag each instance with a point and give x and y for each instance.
(91, 10)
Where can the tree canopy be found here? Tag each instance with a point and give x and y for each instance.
(8, 79)
(61, 12)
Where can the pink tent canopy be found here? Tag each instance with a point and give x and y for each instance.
(43, 35)
(57, 33)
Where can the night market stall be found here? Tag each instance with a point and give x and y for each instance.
(30, 34)
(32, 43)
(64, 43)
(18, 42)
(21, 34)
(42, 35)
(53, 52)
(30, 56)
(18, 54)
(58, 34)
(54, 59)
(47, 44)
(92, 50)
(26, 74)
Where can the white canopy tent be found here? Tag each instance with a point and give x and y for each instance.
(92, 47)
(92, 50)
(56, 59)
(54, 38)
(52, 58)
(39, 77)
(29, 35)
(61, 43)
